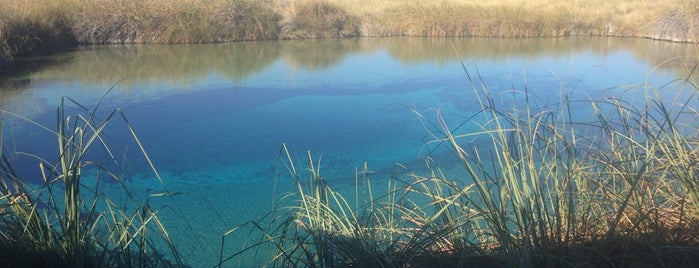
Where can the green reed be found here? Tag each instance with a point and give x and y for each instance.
(550, 185)
(68, 222)
(319, 227)
(546, 188)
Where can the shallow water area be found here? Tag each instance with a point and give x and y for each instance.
(213, 118)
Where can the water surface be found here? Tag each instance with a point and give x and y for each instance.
(214, 117)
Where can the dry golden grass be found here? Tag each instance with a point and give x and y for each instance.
(315, 20)
(173, 21)
(28, 27)
(516, 18)
(31, 27)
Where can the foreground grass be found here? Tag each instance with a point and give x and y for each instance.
(545, 189)
(34, 27)
(541, 188)
(67, 221)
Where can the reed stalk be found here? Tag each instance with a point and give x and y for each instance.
(67, 222)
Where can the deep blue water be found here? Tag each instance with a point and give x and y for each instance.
(214, 117)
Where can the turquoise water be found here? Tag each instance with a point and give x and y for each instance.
(213, 118)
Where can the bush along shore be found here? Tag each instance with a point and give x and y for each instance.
(30, 28)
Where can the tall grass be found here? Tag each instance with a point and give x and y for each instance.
(323, 228)
(67, 221)
(176, 21)
(317, 19)
(28, 28)
(547, 188)
(555, 191)
(32, 27)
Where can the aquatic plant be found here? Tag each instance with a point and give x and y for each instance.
(541, 188)
(67, 221)
(322, 228)
(555, 190)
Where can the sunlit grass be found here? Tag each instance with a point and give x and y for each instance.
(31, 27)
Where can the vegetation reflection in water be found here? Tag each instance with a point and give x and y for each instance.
(103, 65)
(209, 192)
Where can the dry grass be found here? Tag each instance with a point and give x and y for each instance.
(317, 19)
(173, 21)
(31, 27)
(518, 18)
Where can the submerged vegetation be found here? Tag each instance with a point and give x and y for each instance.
(35, 27)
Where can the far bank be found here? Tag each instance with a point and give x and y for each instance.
(30, 28)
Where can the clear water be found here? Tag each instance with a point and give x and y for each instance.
(214, 117)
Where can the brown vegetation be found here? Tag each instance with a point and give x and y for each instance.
(174, 21)
(317, 20)
(29, 29)
(33, 27)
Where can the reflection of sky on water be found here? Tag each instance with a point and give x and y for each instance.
(154, 71)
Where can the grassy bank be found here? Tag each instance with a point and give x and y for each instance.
(34, 27)
(29, 29)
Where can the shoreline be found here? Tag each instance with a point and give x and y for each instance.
(59, 26)
(4, 62)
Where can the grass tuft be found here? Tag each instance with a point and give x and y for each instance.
(67, 221)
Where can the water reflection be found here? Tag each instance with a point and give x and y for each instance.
(320, 54)
(105, 65)
(677, 58)
(156, 71)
